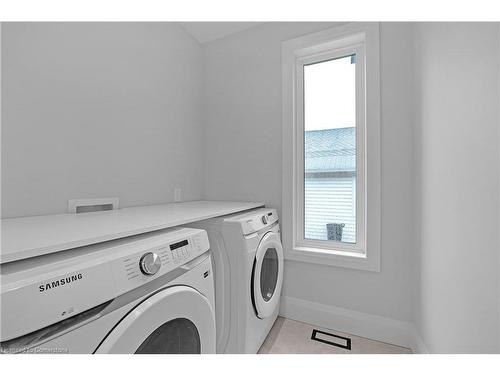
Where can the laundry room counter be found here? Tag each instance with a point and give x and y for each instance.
(32, 236)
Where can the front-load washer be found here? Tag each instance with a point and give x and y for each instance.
(152, 293)
(248, 264)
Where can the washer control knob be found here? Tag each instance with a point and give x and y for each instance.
(150, 263)
(264, 220)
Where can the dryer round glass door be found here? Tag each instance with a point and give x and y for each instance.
(267, 275)
(176, 320)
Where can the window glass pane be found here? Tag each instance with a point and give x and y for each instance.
(330, 150)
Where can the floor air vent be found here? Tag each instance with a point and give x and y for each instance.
(331, 339)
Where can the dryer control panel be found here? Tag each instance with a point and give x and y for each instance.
(256, 220)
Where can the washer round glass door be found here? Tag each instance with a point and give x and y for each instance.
(268, 275)
(176, 320)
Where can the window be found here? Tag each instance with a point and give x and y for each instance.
(331, 151)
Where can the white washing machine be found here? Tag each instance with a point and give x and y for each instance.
(248, 266)
(152, 293)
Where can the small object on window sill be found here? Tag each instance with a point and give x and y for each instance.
(335, 231)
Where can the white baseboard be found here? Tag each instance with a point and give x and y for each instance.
(371, 326)
(418, 345)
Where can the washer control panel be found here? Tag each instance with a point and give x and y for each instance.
(167, 254)
(150, 263)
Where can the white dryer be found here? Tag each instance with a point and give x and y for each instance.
(151, 293)
(248, 266)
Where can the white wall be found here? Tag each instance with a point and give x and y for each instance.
(97, 110)
(457, 97)
(498, 230)
(243, 158)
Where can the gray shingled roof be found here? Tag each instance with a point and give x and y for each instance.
(330, 150)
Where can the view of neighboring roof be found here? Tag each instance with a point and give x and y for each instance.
(330, 150)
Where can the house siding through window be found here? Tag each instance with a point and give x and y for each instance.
(330, 182)
(330, 200)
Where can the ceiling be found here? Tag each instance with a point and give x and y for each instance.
(205, 32)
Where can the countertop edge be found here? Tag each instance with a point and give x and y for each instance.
(67, 245)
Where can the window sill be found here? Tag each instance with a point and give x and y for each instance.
(335, 258)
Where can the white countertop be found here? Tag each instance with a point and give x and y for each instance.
(28, 237)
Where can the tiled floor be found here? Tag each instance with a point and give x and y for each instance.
(292, 337)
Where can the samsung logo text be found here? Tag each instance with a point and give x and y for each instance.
(60, 282)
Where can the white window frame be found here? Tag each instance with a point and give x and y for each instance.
(361, 39)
